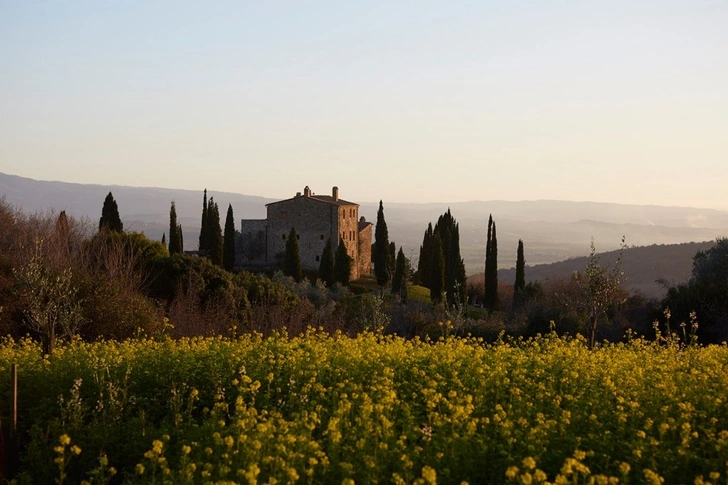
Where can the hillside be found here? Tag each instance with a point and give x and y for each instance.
(551, 230)
(642, 266)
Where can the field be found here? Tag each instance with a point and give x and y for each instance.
(332, 409)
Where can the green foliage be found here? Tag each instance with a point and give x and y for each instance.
(455, 285)
(175, 243)
(292, 258)
(326, 267)
(110, 219)
(437, 270)
(491, 267)
(399, 281)
(52, 306)
(342, 264)
(203, 226)
(600, 287)
(705, 293)
(519, 285)
(424, 265)
(228, 252)
(329, 409)
(380, 254)
(214, 233)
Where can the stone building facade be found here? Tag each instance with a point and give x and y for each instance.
(316, 218)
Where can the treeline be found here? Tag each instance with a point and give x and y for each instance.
(62, 278)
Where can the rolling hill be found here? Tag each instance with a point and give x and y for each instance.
(552, 230)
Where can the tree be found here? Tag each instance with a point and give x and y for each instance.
(326, 267)
(214, 233)
(342, 264)
(175, 244)
(164, 239)
(381, 248)
(203, 226)
(600, 287)
(292, 259)
(491, 267)
(110, 219)
(425, 262)
(437, 270)
(399, 280)
(455, 279)
(520, 284)
(228, 245)
(704, 295)
(52, 304)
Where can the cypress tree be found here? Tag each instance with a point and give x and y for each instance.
(491, 290)
(214, 234)
(175, 245)
(110, 219)
(181, 239)
(326, 267)
(491, 270)
(520, 284)
(399, 283)
(228, 245)
(292, 259)
(425, 262)
(203, 225)
(437, 270)
(381, 248)
(455, 279)
(342, 264)
(164, 240)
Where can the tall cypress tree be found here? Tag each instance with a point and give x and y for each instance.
(110, 219)
(214, 233)
(228, 244)
(455, 279)
(326, 267)
(437, 270)
(203, 225)
(425, 262)
(491, 268)
(342, 264)
(292, 259)
(381, 248)
(520, 283)
(175, 245)
(399, 282)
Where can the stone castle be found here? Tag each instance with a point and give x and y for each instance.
(316, 218)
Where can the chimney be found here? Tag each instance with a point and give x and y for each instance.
(306, 192)
(335, 193)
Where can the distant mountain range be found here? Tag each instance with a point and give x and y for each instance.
(551, 230)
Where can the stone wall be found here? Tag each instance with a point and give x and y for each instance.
(316, 219)
(364, 262)
(251, 244)
(315, 222)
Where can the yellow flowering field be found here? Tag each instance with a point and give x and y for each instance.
(323, 408)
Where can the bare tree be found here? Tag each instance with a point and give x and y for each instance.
(600, 288)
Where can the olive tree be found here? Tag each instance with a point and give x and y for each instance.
(52, 307)
(600, 288)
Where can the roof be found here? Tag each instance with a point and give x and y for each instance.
(327, 199)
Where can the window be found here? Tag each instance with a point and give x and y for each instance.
(298, 236)
(284, 236)
(318, 258)
(322, 237)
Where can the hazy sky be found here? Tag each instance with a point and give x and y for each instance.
(618, 101)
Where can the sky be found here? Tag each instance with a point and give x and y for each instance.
(621, 101)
